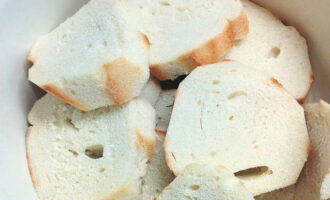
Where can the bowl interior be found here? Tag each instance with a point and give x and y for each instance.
(23, 21)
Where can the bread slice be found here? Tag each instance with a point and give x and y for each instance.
(281, 194)
(185, 34)
(202, 182)
(276, 49)
(94, 155)
(233, 115)
(151, 91)
(95, 58)
(158, 175)
(164, 108)
(314, 182)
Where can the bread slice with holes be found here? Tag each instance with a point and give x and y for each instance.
(184, 34)
(281, 194)
(233, 115)
(99, 155)
(202, 182)
(95, 58)
(164, 108)
(314, 182)
(158, 175)
(276, 49)
(151, 91)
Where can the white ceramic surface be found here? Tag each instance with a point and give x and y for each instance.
(23, 21)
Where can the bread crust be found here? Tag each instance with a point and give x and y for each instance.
(60, 95)
(240, 26)
(143, 142)
(121, 192)
(207, 53)
(168, 159)
(226, 60)
(160, 132)
(121, 75)
(29, 163)
(311, 80)
(276, 83)
(213, 49)
(156, 71)
(145, 40)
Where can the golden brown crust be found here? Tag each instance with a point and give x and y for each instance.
(189, 62)
(119, 193)
(311, 80)
(33, 178)
(301, 100)
(226, 60)
(52, 89)
(157, 72)
(138, 140)
(120, 79)
(240, 26)
(146, 143)
(275, 82)
(160, 132)
(211, 51)
(145, 40)
(207, 53)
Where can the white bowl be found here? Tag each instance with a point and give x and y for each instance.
(23, 21)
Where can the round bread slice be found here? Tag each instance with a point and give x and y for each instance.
(99, 155)
(185, 34)
(202, 182)
(314, 181)
(151, 91)
(164, 108)
(158, 175)
(276, 49)
(95, 58)
(233, 115)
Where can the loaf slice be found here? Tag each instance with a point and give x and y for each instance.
(202, 182)
(151, 91)
(164, 108)
(233, 115)
(158, 175)
(281, 194)
(276, 49)
(94, 155)
(184, 34)
(314, 182)
(95, 58)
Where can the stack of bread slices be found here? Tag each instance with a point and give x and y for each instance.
(111, 127)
